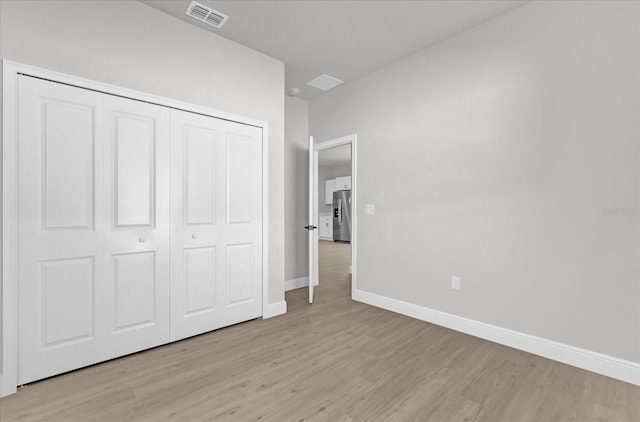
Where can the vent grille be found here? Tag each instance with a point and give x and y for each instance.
(206, 14)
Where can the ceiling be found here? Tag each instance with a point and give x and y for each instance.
(345, 39)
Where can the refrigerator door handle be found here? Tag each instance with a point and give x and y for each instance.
(340, 211)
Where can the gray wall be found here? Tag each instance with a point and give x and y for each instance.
(296, 179)
(508, 156)
(128, 44)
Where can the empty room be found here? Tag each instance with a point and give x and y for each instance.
(320, 210)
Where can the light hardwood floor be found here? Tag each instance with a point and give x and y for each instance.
(335, 360)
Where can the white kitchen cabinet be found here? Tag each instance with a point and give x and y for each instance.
(329, 188)
(343, 183)
(326, 227)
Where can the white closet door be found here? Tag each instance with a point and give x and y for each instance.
(216, 223)
(93, 226)
(136, 240)
(60, 206)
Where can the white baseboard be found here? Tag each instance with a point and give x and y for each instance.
(275, 309)
(610, 366)
(6, 390)
(297, 283)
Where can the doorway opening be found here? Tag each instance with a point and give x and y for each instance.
(334, 217)
(332, 209)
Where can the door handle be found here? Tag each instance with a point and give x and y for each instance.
(310, 227)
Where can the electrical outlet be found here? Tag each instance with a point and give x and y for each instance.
(455, 283)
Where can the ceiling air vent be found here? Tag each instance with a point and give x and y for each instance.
(206, 14)
(325, 82)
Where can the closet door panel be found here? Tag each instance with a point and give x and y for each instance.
(199, 149)
(216, 223)
(59, 228)
(239, 174)
(196, 164)
(67, 300)
(243, 229)
(68, 191)
(134, 170)
(200, 280)
(239, 277)
(135, 283)
(136, 239)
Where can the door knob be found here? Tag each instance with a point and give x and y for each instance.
(141, 239)
(194, 236)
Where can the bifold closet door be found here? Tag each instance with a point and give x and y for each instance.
(216, 223)
(136, 238)
(92, 226)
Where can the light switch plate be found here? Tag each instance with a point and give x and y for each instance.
(455, 283)
(369, 209)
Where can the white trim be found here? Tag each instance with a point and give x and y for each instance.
(10, 231)
(610, 366)
(265, 221)
(344, 140)
(80, 82)
(297, 283)
(353, 141)
(10, 195)
(275, 309)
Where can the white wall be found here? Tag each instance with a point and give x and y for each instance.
(128, 44)
(296, 179)
(495, 156)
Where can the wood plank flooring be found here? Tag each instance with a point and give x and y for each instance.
(336, 360)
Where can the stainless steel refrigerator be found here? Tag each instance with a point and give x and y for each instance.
(342, 216)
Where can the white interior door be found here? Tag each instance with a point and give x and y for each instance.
(216, 223)
(60, 222)
(136, 238)
(137, 225)
(313, 218)
(89, 288)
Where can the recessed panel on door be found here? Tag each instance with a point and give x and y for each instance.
(240, 280)
(68, 165)
(200, 175)
(239, 178)
(68, 300)
(135, 290)
(200, 279)
(134, 171)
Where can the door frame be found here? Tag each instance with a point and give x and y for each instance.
(11, 71)
(352, 140)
